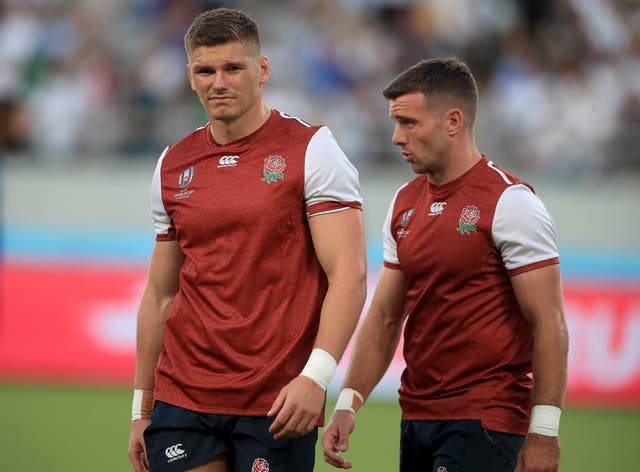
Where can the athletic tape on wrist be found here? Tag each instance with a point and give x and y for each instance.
(545, 420)
(320, 367)
(350, 400)
(142, 404)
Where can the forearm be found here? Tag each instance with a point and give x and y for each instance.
(550, 362)
(341, 310)
(149, 340)
(159, 292)
(374, 349)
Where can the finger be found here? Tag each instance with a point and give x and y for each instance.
(145, 461)
(329, 436)
(329, 440)
(137, 462)
(281, 420)
(303, 427)
(289, 428)
(520, 463)
(277, 404)
(134, 458)
(342, 441)
(311, 424)
(336, 460)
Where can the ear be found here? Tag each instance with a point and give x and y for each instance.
(265, 69)
(455, 121)
(190, 77)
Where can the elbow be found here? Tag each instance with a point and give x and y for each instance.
(351, 280)
(362, 289)
(361, 280)
(564, 337)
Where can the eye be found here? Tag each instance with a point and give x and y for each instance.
(405, 122)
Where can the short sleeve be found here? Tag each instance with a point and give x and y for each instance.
(523, 231)
(331, 181)
(389, 244)
(161, 220)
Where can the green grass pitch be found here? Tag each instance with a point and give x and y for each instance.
(73, 429)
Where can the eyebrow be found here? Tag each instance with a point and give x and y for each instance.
(200, 67)
(402, 117)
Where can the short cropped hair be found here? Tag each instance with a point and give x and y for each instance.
(221, 26)
(445, 81)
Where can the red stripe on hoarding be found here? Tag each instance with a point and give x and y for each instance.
(68, 323)
(77, 324)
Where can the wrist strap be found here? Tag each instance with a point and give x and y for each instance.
(545, 420)
(142, 404)
(350, 400)
(320, 367)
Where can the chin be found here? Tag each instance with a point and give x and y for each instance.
(223, 116)
(418, 169)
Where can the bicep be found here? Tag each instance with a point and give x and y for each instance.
(389, 298)
(539, 294)
(164, 270)
(338, 239)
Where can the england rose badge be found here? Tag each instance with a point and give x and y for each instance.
(468, 218)
(273, 169)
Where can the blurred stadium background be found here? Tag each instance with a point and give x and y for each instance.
(91, 91)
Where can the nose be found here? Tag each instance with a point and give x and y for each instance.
(399, 136)
(220, 82)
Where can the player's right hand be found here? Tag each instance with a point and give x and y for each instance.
(137, 450)
(297, 408)
(335, 438)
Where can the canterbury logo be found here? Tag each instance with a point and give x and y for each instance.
(436, 208)
(174, 451)
(228, 161)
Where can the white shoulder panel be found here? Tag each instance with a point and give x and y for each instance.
(329, 175)
(523, 230)
(159, 216)
(389, 245)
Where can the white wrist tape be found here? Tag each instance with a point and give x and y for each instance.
(545, 420)
(350, 400)
(320, 367)
(142, 404)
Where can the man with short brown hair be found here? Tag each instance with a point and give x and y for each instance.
(257, 277)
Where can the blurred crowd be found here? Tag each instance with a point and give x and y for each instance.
(559, 79)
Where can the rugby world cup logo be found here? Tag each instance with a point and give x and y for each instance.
(260, 465)
(402, 232)
(186, 177)
(405, 218)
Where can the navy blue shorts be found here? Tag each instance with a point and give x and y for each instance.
(178, 439)
(456, 446)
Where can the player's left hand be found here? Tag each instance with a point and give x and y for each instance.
(539, 454)
(296, 408)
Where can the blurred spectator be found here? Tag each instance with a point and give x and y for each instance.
(558, 78)
(14, 132)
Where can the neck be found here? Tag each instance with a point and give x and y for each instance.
(461, 158)
(226, 131)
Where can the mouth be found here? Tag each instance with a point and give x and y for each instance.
(220, 99)
(408, 157)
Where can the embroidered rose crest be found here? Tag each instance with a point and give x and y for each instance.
(468, 218)
(273, 169)
(260, 465)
